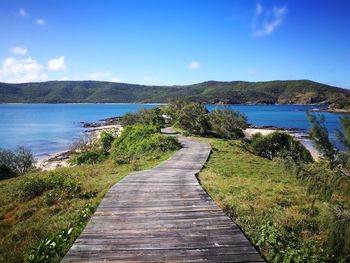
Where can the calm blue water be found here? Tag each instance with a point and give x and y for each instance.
(287, 116)
(49, 128)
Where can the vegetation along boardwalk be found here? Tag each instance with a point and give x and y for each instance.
(163, 214)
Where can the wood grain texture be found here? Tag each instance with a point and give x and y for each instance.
(163, 215)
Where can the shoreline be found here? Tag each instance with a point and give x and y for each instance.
(341, 111)
(60, 159)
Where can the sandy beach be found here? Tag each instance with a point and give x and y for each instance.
(60, 159)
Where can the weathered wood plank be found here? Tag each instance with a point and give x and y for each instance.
(163, 215)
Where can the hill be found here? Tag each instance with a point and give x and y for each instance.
(235, 92)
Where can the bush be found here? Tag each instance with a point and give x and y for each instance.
(91, 156)
(53, 248)
(281, 144)
(6, 172)
(24, 159)
(151, 117)
(106, 141)
(52, 196)
(193, 118)
(83, 143)
(34, 186)
(165, 143)
(137, 140)
(227, 123)
(50, 248)
(284, 246)
(20, 160)
(174, 108)
(31, 187)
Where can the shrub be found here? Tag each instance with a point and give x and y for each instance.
(91, 156)
(50, 248)
(33, 186)
(52, 196)
(24, 159)
(284, 246)
(193, 118)
(174, 108)
(338, 223)
(319, 135)
(228, 123)
(165, 143)
(138, 140)
(106, 141)
(145, 116)
(8, 158)
(281, 144)
(6, 172)
(20, 160)
(83, 143)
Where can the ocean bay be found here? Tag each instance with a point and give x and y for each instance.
(50, 128)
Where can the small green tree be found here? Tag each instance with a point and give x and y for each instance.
(6, 172)
(331, 177)
(319, 135)
(144, 116)
(193, 118)
(228, 123)
(24, 159)
(8, 158)
(20, 160)
(282, 145)
(174, 107)
(106, 141)
(344, 136)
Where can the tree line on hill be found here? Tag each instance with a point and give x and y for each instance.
(210, 92)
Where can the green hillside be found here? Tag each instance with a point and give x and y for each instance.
(240, 92)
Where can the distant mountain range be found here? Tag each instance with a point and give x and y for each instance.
(234, 92)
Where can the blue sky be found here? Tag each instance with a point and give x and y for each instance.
(175, 41)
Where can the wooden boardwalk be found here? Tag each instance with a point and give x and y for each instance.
(161, 215)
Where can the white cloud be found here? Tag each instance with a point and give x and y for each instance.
(56, 64)
(40, 21)
(22, 12)
(265, 22)
(194, 65)
(64, 78)
(15, 70)
(258, 9)
(18, 50)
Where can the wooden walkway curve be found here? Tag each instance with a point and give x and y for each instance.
(163, 215)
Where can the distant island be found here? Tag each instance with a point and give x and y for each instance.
(211, 92)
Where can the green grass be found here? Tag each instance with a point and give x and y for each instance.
(267, 201)
(27, 219)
